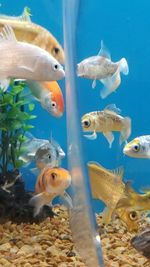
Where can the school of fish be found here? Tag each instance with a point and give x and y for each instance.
(29, 52)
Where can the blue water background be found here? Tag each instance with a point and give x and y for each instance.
(124, 26)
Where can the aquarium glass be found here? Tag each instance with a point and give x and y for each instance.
(74, 133)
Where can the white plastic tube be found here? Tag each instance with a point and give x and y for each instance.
(82, 218)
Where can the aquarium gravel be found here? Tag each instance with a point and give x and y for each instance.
(49, 244)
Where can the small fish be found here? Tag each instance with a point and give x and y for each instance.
(49, 154)
(27, 31)
(138, 147)
(49, 95)
(107, 121)
(21, 60)
(107, 186)
(51, 183)
(43, 152)
(134, 200)
(141, 242)
(101, 68)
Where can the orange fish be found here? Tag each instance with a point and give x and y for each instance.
(27, 31)
(49, 95)
(50, 183)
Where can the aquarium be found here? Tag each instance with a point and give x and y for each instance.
(74, 133)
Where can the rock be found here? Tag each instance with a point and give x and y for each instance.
(5, 247)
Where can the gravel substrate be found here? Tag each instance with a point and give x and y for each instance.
(49, 243)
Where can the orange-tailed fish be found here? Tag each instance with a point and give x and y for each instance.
(29, 32)
(51, 183)
(101, 68)
(107, 186)
(139, 147)
(134, 200)
(107, 121)
(49, 95)
(21, 60)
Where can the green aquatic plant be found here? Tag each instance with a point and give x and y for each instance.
(15, 115)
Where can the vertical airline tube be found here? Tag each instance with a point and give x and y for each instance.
(82, 218)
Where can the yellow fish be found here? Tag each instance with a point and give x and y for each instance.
(140, 202)
(27, 31)
(106, 121)
(108, 186)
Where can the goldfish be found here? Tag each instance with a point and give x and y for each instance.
(141, 242)
(51, 183)
(139, 147)
(101, 68)
(27, 31)
(21, 60)
(49, 95)
(107, 186)
(106, 121)
(139, 202)
(44, 152)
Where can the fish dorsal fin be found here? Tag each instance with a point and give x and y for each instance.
(112, 109)
(7, 33)
(26, 14)
(95, 165)
(118, 173)
(104, 52)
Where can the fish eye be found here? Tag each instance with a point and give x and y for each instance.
(55, 67)
(53, 104)
(133, 215)
(49, 156)
(86, 123)
(53, 175)
(56, 50)
(136, 148)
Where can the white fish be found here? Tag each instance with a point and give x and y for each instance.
(21, 60)
(101, 68)
(139, 147)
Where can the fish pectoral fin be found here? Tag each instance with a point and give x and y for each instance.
(92, 136)
(107, 215)
(67, 199)
(94, 84)
(110, 84)
(4, 84)
(110, 137)
(39, 200)
(104, 52)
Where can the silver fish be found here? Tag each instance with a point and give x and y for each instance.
(139, 147)
(21, 60)
(43, 152)
(101, 68)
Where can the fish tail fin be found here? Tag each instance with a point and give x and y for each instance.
(38, 201)
(123, 65)
(110, 84)
(107, 215)
(126, 130)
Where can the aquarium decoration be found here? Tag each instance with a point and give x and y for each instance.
(15, 121)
